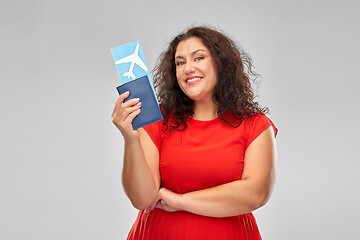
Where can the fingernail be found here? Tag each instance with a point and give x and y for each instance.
(137, 99)
(126, 92)
(139, 104)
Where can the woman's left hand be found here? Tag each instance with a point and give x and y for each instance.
(167, 200)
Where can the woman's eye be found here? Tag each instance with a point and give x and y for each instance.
(179, 63)
(199, 58)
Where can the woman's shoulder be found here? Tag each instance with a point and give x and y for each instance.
(249, 122)
(257, 124)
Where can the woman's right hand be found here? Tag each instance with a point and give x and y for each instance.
(123, 115)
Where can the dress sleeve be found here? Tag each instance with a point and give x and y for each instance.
(154, 131)
(257, 125)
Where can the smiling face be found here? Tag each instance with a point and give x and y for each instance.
(195, 69)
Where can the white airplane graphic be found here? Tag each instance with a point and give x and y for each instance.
(133, 58)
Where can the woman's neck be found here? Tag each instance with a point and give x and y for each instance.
(205, 111)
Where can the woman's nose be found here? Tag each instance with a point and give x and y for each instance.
(189, 68)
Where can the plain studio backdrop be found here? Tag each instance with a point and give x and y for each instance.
(61, 156)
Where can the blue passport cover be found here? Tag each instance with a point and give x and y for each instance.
(150, 110)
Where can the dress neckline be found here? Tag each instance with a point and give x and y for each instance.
(197, 120)
(202, 123)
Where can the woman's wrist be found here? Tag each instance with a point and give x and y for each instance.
(181, 202)
(132, 139)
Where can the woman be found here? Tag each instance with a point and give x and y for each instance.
(200, 172)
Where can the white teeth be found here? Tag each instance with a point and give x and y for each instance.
(193, 79)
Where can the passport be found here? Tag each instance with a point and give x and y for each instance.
(150, 110)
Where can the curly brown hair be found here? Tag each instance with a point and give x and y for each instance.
(233, 92)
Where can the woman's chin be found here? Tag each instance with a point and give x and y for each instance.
(195, 96)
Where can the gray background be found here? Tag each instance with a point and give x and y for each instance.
(61, 156)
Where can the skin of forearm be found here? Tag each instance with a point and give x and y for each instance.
(138, 182)
(230, 199)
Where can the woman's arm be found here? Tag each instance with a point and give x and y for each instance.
(140, 176)
(237, 197)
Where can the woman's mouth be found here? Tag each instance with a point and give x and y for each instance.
(193, 80)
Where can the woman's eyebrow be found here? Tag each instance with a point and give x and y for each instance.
(193, 53)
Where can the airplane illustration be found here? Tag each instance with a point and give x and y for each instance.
(133, 58)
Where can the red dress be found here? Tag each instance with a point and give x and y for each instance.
(206, 154)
